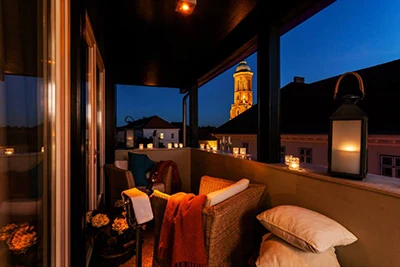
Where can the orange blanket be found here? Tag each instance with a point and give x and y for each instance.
(162, 167)
(181, 238)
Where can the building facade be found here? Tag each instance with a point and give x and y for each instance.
(304, 132)
(243, 89)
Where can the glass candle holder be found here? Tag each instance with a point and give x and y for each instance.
(287, 159)
(243, 151)
(235, 151)
(294, 164)
(180, 145)
(208, 147)
(140, 146)
(214, 149)
(201, 146)
(169, 145)
(150, 146)
(175, 145)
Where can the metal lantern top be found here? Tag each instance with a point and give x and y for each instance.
(349, 109)
(360, 84)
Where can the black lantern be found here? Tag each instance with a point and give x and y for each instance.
(129, 138)
(348, 136)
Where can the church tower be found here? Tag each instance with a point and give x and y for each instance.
(243, 89)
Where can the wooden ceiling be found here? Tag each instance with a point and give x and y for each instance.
(151, 44)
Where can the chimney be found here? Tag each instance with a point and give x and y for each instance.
(298, 79)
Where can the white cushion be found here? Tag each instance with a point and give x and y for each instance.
(305, 229)
(122, 164)
(216, 197)
(275, 252)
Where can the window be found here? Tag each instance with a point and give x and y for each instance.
(305, 154)
(161, 136)
(246, 145)
(172, 135)
(283, 152)
(390, 166)
(237, 112)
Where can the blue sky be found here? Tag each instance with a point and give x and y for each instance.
(348, 35)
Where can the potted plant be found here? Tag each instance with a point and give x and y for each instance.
(113, 236)
(21, 243)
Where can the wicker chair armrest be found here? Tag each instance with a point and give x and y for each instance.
(210, 184)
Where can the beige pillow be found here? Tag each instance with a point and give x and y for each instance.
(216, 197)
(305, 229)
(275, 252)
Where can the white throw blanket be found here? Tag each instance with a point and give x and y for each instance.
(140, 203)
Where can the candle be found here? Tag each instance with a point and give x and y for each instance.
(140, 146)
(180, 145)
(208, 147)
(294, 164)
(346, 160)
(169, 145)
(214, 149)
(42, 149)
(287, 159)
(175, 145)
(9, 151)
(201, 146)
(243, 151)
(235, 151)
(150, 146)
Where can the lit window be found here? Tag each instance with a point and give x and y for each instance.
(161, 136)
(390, 166)
(237, 112)
(9, 151)
(305, 155)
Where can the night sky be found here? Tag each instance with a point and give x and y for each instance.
(348, 35)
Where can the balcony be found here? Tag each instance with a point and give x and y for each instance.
(370, 208)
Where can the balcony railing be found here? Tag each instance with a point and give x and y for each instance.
(369, 208)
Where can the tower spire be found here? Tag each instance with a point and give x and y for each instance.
(243, 89)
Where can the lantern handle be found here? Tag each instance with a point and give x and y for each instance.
(360, 83)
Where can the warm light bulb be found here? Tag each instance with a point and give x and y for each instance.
(185, 7)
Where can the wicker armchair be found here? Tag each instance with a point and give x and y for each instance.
(228, 226)
(118, 180)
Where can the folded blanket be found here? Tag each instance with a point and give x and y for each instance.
(162, 168)
(182, 237)
(140, 203)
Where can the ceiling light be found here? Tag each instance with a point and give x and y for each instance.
(186, 6)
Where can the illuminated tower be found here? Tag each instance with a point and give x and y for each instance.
(243, 89)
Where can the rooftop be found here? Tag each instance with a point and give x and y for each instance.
(306, 108)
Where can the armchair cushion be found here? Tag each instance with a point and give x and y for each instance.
(139, 165)
(223, 194)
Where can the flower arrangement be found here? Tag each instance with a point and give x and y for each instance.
(18, 238)
(110, 231)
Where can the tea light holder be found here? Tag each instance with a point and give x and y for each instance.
(294, 164)
(287, 159)
(243, 151)
(180, 145)
(201, 146)
(208, 147)
(235, 151)
(214, 149)
(140, 146)
(176, 145)
(169, 145)
(150, 146)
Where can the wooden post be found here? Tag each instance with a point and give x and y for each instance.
(268, 88)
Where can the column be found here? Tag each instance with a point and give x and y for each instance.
(194, 115)
(268, 88)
